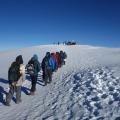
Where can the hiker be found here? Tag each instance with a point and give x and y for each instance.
(58, 58)
(52, 62)
(55, 61)
(47, 68)
(16, 77)
(33, 67)
(64, 57)
(61, 58)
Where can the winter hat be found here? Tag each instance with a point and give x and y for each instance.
(35, 57)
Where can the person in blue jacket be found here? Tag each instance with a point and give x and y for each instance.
(52, 63)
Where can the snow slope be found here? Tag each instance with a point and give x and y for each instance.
(86, 88)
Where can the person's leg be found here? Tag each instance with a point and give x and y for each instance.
(10, 95)
(50, 76)
(64, 62)
(45, 78)
(55, 67)
(34, 81)
(18, 94)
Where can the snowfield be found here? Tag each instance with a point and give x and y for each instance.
(86, 88)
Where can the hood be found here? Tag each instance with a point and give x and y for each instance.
(19, 59)
(35, 57)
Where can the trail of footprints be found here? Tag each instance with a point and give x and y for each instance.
(92, 94)
(98, 94)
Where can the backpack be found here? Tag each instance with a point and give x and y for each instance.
(65, 55)
(47, 64)
(14, 72)
(33, 67)
(30, 69)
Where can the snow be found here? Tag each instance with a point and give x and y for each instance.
(86, 88)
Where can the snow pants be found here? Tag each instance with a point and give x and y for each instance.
(33, 83)
(12, 90)
(47, 76)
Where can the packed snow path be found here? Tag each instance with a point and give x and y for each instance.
(86, 88)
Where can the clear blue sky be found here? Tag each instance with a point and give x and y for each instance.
(26, 23)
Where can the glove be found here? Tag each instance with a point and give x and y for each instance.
(14, 83)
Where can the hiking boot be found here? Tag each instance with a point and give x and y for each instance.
(49, 82)
(46, 83)
(18, 101)
(32, 93)
(7, 104)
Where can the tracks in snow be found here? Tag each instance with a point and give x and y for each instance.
(91, 94)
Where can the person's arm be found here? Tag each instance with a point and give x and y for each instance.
(9, 81)
(38, 67)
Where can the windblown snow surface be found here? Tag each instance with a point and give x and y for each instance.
(86, 88)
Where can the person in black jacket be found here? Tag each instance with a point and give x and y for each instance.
(14, 75)
(47, 68)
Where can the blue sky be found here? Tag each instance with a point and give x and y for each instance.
(26, 23)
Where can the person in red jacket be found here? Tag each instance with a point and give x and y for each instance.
(55, 60)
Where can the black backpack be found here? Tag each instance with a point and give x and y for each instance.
(14, 72)
(65, 55)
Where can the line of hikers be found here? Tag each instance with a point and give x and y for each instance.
(16, 73)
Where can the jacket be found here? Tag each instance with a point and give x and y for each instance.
(55, 58)
(52, 63)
